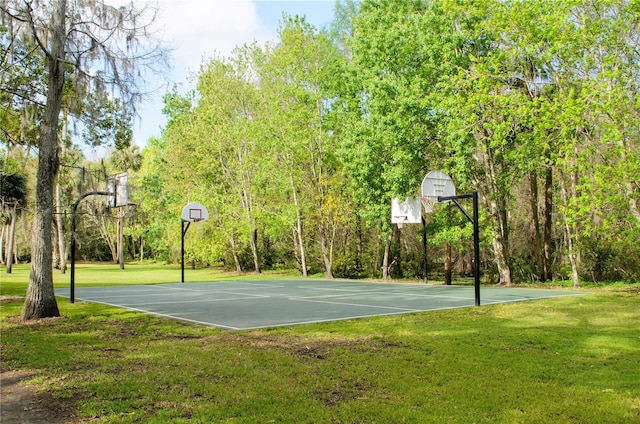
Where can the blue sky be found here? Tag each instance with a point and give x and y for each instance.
(318, 12)
(201, 29)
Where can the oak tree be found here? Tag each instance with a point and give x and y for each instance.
(101, 47)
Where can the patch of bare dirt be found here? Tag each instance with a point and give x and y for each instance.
(5, 299)
(18, 320)
(22, 404)
(632, 290)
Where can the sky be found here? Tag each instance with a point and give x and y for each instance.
(202, 29)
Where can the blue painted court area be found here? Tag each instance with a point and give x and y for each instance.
(243, 305)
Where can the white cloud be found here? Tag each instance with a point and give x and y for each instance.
(200, 29)
(195, 31)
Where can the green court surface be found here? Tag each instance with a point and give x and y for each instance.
(243, 305)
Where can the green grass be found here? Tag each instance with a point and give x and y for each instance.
(87, 275)
(571, 359)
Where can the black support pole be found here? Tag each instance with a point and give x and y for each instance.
(476, 247)
(424, 249)
(476, 235)
(72, 285)
(184, 231)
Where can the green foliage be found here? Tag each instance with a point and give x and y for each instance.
(106, 120)
(13, 190)
(23, 85)
(156, 203)
(390, 130)
(297, 147)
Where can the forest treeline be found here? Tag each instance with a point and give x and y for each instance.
(298, 146)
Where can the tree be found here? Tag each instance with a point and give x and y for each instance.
(401, 52)
(155, 199)
(297, 84)
(101, 46)
(533, 104)
(125, 160)
(13, 195)
(222, 125)
(21, 84)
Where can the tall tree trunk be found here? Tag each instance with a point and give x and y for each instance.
(236, 260)
(62, 250)
(500, 241)
(2, 245)
(326, 245)
(501, 261)
(60, 228)
(534, 226)
(300, 246)
(120, 241)
(298, 231)
(107, 235)
(253, 241)
(573, 256)
(54, 247)
(385, 259)
(40, 300)
(11, 240)
(447, 264)
(360, 244)
(495, 193)
(547, 274)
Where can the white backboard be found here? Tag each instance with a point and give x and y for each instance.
(437, 183)
(122, 189)
(407, 212)
(118, 189)
(195, 212)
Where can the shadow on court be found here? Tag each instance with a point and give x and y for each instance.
(243, 305)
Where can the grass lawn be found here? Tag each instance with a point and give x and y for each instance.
(571, 359)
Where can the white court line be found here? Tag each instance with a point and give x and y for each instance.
(366, 293)
(328, 289)
(205, 300)
(345, 318)
(203, 295)
(129, 296)
(251, 327)
(210, 287)
(301, 299)
(209, 324)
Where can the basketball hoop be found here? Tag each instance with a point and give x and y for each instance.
(435, 184)
(427, 203)
(193, 212)
(118, 188)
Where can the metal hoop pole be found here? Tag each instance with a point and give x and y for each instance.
(476, 247)
(476, 235)
(184, 231)
(424, 249)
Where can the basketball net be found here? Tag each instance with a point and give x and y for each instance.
(427, 204)
(199, 222)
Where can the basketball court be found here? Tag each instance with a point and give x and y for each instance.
(243, 305)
